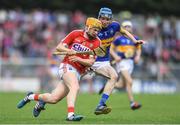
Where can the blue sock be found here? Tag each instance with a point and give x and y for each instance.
(103, 100)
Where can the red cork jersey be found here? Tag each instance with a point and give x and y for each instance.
(78, 42)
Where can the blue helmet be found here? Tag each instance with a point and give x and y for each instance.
(105, 12)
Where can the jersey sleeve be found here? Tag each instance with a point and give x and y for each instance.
(70, 37)
(136, 37)
(116, 26)
(116, 42)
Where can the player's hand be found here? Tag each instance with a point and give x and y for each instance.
(74, 58)
(141, 42)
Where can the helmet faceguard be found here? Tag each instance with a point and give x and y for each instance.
(93, 26)
(105, 12)
(93, 22)
(126, 23)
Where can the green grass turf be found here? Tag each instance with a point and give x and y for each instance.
(157, 109)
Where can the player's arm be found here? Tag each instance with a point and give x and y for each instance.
(63, 45)
(86, 62)
(123, 31)
(138, 54)
(113, 53)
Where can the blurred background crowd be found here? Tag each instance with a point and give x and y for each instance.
(27, 39)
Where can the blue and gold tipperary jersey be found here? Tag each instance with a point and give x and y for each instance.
(125, 48)
(106, 35)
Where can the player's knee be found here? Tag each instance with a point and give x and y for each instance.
(119, 85)
(114, 77)
(75, 88)
(54, 99)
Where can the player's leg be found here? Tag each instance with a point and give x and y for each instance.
(111, 73)
(58, 93)
(52, 98)
(73, 85)
(120, 83)
(109, 86)
(101, 90)
(128, 80)
(125, 67)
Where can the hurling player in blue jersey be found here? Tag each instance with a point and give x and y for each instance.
(126, 54)
(102, 65)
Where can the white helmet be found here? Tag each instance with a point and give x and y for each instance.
(126, 23)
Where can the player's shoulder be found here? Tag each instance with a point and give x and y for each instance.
(115, 23)
(120, 37)
(78, 31)
(118, 40)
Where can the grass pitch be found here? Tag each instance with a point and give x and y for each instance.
(157, 109)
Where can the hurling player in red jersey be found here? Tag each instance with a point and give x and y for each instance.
(70, 69)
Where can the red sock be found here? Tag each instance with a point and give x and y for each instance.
(36, 97)
(70, 109)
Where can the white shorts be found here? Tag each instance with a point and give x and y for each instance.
(125, 64)
(67, 68)
(54, 70)
(98, 65)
